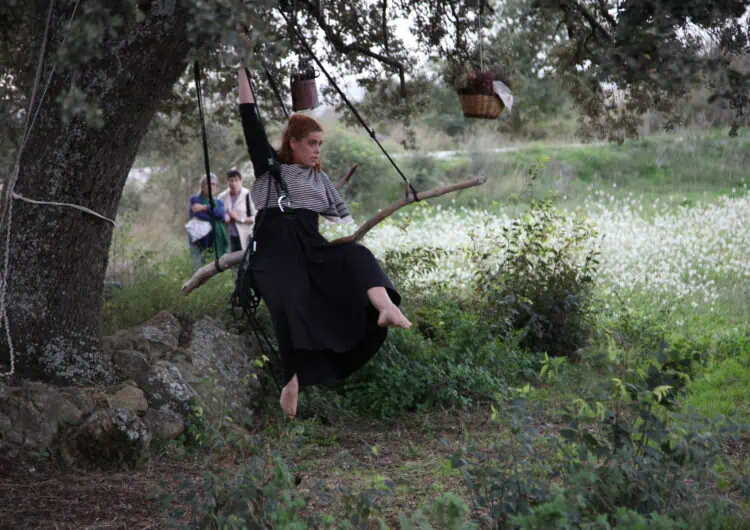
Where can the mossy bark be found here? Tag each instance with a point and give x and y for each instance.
(58, 255)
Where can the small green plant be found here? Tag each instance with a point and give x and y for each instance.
(197, 429)
(629, 457)
(540, 280)
(259, 495)
(552, 367)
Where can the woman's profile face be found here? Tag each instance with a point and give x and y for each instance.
(306, 151)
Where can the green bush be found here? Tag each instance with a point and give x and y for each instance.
(540, 281)
(626, 458)
(259, 495)
(412, 373)
(450, 358)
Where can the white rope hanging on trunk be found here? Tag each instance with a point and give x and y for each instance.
(11, 195)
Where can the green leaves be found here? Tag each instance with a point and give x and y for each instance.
(638, 463)
(539, 282)
(660, 392)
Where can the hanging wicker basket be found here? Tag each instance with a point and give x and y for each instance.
(481, 106)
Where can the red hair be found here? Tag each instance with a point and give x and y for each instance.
(299, 127)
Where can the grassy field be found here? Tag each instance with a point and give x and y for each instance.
(693, 166)
(670, 216)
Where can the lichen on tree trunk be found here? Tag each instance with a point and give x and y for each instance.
(58, 255)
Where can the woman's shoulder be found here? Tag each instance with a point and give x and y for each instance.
(299, 169)
(324, 175)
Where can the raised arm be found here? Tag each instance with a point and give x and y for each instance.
(261, 153)
(246, 95)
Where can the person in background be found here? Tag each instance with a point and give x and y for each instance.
(201, 209)
(239, 211)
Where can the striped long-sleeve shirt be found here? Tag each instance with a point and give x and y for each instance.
(307, 188)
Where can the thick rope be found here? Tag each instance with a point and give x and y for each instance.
(4, 320)
(204, 136)
(275, 89)
(269, 77)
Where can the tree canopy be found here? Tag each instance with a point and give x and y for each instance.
(652, 52)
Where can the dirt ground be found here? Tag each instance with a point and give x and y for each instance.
(326, 459)
(406, 460)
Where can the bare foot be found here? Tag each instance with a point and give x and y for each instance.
(288, 399)
(392, 317)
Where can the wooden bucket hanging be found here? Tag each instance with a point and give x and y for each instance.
(304, 88)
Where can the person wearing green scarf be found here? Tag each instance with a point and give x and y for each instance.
(214, 213)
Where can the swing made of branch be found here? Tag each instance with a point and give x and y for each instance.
(227, 261)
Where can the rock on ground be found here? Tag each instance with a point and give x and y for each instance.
(166, 369)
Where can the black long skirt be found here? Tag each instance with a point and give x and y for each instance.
(316, 292)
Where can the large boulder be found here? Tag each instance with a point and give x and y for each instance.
(41, 419)
(129, 397)
(155, 338)
(164, 424)
(175, 362)
(166, 368)
(32, 414)
(131, 364)
(164, 386)
(222, 369)
(108, 438)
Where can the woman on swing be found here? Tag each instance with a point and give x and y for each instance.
(330, 305)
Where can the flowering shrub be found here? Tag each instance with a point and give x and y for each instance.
(679, 251)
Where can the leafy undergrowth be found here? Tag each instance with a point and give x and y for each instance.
(586, 446)
(331, 465)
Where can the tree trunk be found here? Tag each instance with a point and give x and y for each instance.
(58, 255)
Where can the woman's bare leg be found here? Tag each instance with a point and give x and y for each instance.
(390, 315)
(289, 396)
